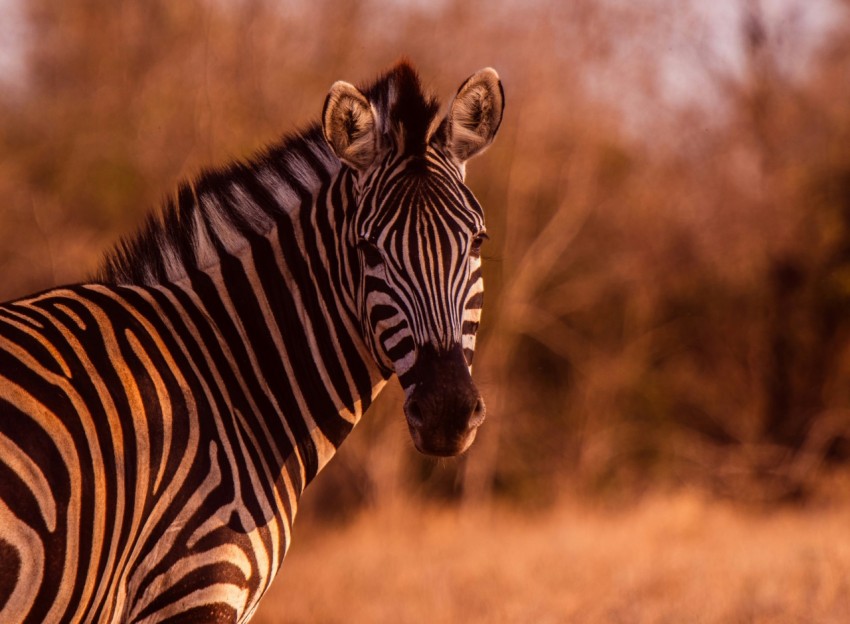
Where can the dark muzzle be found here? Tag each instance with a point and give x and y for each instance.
(445, 409)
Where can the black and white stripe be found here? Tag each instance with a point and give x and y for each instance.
(159, 424)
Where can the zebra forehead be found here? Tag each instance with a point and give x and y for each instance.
(435, 199)
(423, 221)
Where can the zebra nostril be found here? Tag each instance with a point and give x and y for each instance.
(413, 413)
(478, 413)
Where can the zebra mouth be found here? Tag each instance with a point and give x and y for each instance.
(439, 444)
(444, 408)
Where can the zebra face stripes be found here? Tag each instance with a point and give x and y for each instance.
(418, 231)
(159, 425)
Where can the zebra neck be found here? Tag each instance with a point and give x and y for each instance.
(283, 300)
(262, 251)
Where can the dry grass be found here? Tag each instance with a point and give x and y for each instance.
(677, 559)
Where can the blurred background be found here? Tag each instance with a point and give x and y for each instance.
(665, 349)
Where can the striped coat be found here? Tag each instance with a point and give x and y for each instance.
(159, 424)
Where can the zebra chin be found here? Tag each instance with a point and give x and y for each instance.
(443, 408)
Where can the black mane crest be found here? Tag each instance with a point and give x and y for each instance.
(406, 112)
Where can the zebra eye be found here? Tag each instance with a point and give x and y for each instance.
(475, 248)
(371, 254)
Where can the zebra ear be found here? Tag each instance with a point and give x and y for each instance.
(475, 114)
(348, 123)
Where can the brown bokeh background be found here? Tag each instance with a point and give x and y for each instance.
(668, 275)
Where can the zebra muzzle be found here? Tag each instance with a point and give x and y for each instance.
(445, 409)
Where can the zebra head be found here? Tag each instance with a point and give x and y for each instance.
(415, 239)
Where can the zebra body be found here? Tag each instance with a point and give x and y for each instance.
(158, 425)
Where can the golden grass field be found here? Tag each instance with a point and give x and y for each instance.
(667, 559)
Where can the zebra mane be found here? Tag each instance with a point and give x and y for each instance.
(215, 211)
(404, 111)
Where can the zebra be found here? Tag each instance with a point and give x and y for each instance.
(159, 423)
